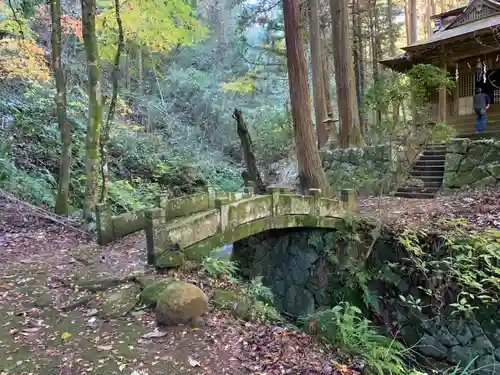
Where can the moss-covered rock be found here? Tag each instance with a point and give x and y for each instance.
(472, 163)
(171, 259)
(224, 298)
(151, 292)
(180, 303)
(119, 301)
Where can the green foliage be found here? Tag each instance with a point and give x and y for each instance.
(344, 327)
(260, 300)
(465, 261)
(393, 94)
(158, 26)
(219, 268)
(426, 79)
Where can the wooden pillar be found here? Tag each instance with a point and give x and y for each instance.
(443, 112)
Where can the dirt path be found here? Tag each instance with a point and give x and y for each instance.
(48, 325)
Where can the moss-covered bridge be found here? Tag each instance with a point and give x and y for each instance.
(199, 223)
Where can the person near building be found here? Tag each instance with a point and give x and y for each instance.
(481, 105)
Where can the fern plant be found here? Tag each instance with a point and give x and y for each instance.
(218, 268)
(344, 326)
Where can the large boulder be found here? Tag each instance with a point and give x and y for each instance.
(180, 303)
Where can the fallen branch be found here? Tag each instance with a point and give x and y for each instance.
(44, 213)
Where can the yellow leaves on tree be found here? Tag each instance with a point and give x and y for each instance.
(22, 59)
(156, 25)
(242, 85)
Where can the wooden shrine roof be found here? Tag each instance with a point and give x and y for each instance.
(474, 29)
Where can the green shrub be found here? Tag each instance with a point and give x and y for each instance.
(218, 268)
(344, 327)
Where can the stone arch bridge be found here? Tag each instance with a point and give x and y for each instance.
(230, 217)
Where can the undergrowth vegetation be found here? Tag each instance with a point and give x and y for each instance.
(344, 326)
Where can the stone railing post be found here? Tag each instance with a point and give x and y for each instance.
(275, 199)
(149, 229)
(348, 199)
(210, 191)
(161, 201)
(248, 191)
(104, 224)
(316, 207)
(223, 207)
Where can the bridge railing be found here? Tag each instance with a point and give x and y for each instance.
(113, 227)
(227, 215)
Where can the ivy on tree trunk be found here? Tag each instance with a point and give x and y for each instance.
(112, 106)
(95, 114)
(62, 201)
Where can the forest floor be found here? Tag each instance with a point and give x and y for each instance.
(49, 325)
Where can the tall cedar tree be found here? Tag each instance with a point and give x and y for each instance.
(62, 202)
(350, 132)
(311, 173)
(317, 72)
(95, 113)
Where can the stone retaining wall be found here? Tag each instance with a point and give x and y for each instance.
(472, 163)
(305, 272)
(367, 169)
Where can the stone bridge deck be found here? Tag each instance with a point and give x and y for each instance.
(226, 221)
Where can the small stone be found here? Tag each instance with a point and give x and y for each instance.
(171, 259)
(224, 299)
(119, 301)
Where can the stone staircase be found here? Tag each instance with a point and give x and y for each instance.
(428, 171)
(465, 126)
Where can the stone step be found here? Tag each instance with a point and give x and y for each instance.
(427, 174)
(441, 153)
(432, 157)
(414, 195)
(430, 163)
(427, 177)
(433, 184)
(435, 170)
(418, 189)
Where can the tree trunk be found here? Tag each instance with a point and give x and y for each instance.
(413, 20)
(317, 73)
(358, 54)
(311, 173)
(248, 154)
(112, 106)
(350, 132)
(95, 113)
(62, 201)
(139, 71)
(392, 34)
(326, 85)
(407, 22)
(428, 14)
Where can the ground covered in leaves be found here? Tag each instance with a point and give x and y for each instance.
(481, 210)
(54, 318)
